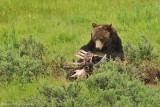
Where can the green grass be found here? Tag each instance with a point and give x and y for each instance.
(70, 20)
(14, 92)
(65, 25)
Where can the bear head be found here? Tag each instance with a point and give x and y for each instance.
(102, 34)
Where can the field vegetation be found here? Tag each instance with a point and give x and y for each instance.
(38, 36)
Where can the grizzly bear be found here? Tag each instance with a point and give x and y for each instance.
(105, 40)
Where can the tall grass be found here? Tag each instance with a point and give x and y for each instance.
(49, 20)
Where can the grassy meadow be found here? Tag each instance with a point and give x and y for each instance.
(55, 30)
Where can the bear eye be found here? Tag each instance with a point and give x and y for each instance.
(109, 29)
(102, 39)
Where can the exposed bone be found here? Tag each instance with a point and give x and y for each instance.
(81, 54)
(82, 51)
(85, 68)
(90, 55)
(75, 63)
(102, 60)
(80, 74)
(81, 57)
(72, 67)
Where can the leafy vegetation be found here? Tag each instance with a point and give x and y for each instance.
(38, 36)
(111, 85)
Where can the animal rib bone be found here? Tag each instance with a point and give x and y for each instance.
(82, 51)
(81, 54)
(85, 68)
(81, 57)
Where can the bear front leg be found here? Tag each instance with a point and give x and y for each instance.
(117, 55)
(88, 47)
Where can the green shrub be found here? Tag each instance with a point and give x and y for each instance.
(111, 86)
(142, 58)
(59, 96)
(142, 51)
(26, 59)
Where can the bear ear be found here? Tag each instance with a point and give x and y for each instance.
(110, 25)
(94, 25)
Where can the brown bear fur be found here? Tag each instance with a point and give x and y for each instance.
(105, 40)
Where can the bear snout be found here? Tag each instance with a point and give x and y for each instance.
(99, 44)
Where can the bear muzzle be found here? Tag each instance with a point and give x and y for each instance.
(99, 44)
